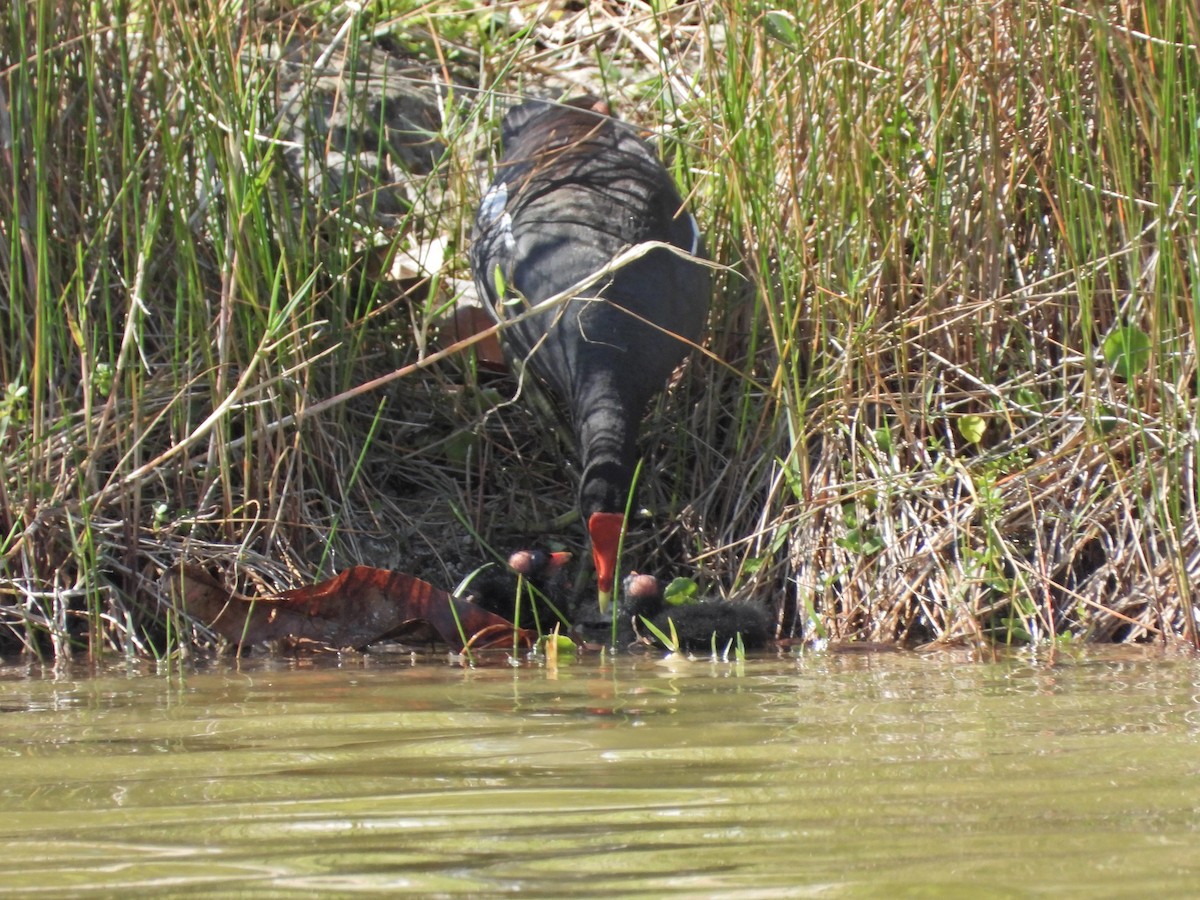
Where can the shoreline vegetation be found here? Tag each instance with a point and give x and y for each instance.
(949, 392)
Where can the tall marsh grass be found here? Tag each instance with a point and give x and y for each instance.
(950, 391)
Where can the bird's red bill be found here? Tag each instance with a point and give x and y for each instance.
(605, 530)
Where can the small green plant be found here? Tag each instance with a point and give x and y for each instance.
(670, 641)
(14, 408)
(859, 539)
(813, 624)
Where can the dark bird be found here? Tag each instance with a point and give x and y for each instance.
(698, 625)
(530, 589)
(573, 190)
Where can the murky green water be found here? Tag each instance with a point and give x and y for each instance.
(831, 776)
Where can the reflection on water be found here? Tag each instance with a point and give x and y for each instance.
(831, 775)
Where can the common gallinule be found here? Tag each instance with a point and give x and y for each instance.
(696, 624)
(536, 596)
(573, 189)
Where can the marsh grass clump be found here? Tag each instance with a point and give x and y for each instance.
(950, 388)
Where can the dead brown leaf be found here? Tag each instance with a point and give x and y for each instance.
(358, 607)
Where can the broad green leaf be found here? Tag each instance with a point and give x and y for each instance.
(781, 25)
(563, 645)
(883, 437)
(680, 591)
(1127, 351)
(972, 428)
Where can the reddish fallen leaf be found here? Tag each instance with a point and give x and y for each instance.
(358, 607)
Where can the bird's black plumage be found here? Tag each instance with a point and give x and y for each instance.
(572, 191)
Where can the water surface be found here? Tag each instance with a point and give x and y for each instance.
(823, 775)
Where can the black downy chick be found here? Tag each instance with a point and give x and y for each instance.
(537, 576)
(695, 623)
